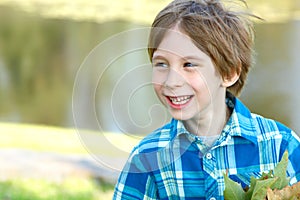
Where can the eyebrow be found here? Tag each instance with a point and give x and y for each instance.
(190, 57)
(158, 57)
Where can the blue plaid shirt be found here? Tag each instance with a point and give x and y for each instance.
(171, 163)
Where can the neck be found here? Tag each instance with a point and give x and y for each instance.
(210, 122)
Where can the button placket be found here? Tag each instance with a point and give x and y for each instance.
(209, 164)
(208, 156)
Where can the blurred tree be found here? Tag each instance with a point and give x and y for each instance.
(30, 48)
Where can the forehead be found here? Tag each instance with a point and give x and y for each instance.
(178, 43)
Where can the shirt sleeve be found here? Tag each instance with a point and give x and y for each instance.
(135, 182)
(293, 147)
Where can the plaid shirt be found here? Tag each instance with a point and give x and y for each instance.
(171, 163)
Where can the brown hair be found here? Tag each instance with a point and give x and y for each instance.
(226, 36)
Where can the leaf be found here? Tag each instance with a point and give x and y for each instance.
(233, 190)
(265, 176)
(280, 169)
(288, 192)
(261, 186)
(249, 193)
(253, 181)
(271, 195)
(272, 185)
(274, 194)
(280, 172)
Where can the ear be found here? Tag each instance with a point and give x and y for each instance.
(230, 79)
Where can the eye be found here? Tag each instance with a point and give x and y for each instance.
(188, 64)
(160, 64)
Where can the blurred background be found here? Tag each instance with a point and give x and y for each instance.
(43, 43)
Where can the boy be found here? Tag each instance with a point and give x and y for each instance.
(201, 54)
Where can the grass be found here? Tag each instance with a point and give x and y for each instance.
(70, 189)
(58, 140)
(40, 138)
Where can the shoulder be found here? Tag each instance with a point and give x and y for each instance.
(270, 127)
(279, 138)
(258, 128)
(257, 124)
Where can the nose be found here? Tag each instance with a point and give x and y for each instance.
(174, 79)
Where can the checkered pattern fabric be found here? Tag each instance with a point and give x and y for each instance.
(172, 163)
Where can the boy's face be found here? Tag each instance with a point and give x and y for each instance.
(185, 79)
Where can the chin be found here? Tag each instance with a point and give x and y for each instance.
(181, 116)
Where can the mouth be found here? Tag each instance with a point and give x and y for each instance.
(179, 101)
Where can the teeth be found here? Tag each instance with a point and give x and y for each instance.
(180, 100)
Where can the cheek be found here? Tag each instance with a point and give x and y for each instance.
(158, 78)
(157, 87)
(199, 84)
(158, 91)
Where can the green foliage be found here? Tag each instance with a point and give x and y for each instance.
(234, 191)
(280, 172)
(261, 186)
(274, 180)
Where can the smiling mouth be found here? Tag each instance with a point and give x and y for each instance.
(180, 100)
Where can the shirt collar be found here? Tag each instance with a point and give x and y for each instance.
(240, 123)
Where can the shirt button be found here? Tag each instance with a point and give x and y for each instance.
(209, 156)
(212, 198)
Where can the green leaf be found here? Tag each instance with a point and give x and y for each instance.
(280, 169)
(261, 186)
(233, 190)
(249, 193)
(274, 179)
(280, 172)
(253, 181)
